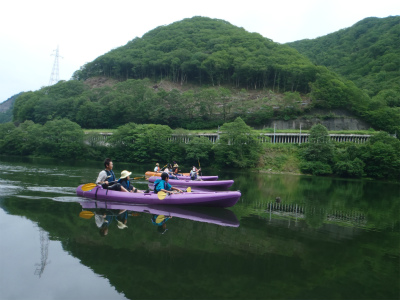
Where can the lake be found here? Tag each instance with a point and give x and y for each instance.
(325, 238)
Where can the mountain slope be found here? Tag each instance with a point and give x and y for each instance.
(6, 109)
(368, 53)
(219, 63)
(206, 51)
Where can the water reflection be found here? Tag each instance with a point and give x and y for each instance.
(105, 213)
(325, 239)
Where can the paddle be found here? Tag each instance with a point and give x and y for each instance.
(86, 214)
(161, 195)
(136, 178)
(88, 187)
(161, 218)
(201, 172)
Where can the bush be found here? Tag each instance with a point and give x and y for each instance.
(352, 169)
(315, 168)
(237, 146)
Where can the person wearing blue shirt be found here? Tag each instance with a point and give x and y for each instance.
(125, 183)
(163, 185)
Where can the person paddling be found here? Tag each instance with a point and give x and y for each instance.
(162, 185)
(107, 177)
(125, 183)
(194, 172)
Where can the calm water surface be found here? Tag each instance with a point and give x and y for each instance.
(326, 239)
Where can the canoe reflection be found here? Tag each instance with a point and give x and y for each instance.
(213, 215)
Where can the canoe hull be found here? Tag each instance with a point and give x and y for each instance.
(217, 199)
(215, 184)
(185, 176)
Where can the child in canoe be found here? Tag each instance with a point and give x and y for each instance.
(163, 185)
(125, 183)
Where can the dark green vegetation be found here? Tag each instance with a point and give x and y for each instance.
(206, 51)
(368, 54)
(379, 158)
(199, 73)
(237, 147)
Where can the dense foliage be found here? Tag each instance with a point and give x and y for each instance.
(368, 54)
(237, 147)
(138, 102)
(206, 51)
(215, 65)
(59, 138)
(378, 158)
(318, 153)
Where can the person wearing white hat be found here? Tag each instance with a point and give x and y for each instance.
(124, 181)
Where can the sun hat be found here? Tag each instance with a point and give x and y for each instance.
(125, 174)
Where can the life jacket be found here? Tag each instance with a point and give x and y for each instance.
(110, 173)
(156, 184)
(125, 183)
(193, 175)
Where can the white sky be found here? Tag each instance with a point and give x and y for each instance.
(31, 29)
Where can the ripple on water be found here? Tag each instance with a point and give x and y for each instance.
(52, 189)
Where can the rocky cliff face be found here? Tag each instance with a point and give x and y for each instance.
(8, 104)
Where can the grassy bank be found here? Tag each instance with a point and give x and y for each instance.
(279, 158)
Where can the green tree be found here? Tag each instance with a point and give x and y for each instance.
(142, 143)
(318, 153)
(61, 139)
(381, 156)
(237, 145)
(198, 149)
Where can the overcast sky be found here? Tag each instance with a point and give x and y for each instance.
(30, 30)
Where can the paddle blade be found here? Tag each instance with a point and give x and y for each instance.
(160, 218)
(136, 178)
(189, 189)
(88, 186)
(161, 195)
(86, 214)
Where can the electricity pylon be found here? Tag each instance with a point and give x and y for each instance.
(44, 251)
(55, 72)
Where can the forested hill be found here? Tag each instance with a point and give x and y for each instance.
(224, 72)
(206, 51)
(368, 53)
(6, 109)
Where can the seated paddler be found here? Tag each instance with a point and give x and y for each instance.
(126, 184)
(107, 177)
(162, 185)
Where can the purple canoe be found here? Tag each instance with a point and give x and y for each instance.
(220, 199)
(215, 184)
(218, 216)
(204, 178)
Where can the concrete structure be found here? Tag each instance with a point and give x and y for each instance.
(281, 138)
